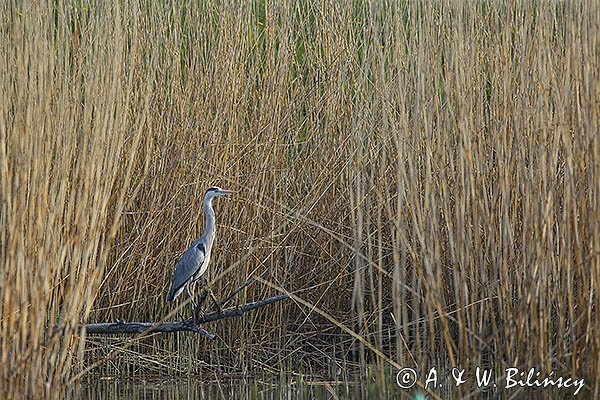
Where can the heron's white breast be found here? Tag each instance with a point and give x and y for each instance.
(204, 266)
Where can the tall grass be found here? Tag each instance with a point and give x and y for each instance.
(424, 177)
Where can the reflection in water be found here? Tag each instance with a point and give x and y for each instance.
(167, 389)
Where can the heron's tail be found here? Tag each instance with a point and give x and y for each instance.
(171, 295)
(175, 291)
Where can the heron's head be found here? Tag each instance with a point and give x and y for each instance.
(216, 191)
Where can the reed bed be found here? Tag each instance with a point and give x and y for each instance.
(422, 177)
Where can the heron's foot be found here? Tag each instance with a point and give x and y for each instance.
(198, 315)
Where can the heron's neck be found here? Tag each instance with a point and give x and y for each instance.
(210, 226)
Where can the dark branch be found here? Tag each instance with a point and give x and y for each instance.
(238, 311)
(236, 291)
(108, 328)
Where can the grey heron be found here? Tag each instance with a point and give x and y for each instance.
(194, 262)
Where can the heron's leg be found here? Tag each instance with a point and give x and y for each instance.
(203, 284)
(198, 313)
(202, 297)
(191, 296)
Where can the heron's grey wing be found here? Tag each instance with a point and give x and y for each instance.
(190, 264)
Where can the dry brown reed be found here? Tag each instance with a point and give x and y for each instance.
(424, 176)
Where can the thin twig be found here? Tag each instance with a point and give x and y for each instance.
(236, 291)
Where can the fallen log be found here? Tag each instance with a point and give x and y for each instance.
(121, 327)
(109, 328)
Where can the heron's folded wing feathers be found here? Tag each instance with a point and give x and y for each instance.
(190, 263)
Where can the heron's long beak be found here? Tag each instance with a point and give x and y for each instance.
(223, 191)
